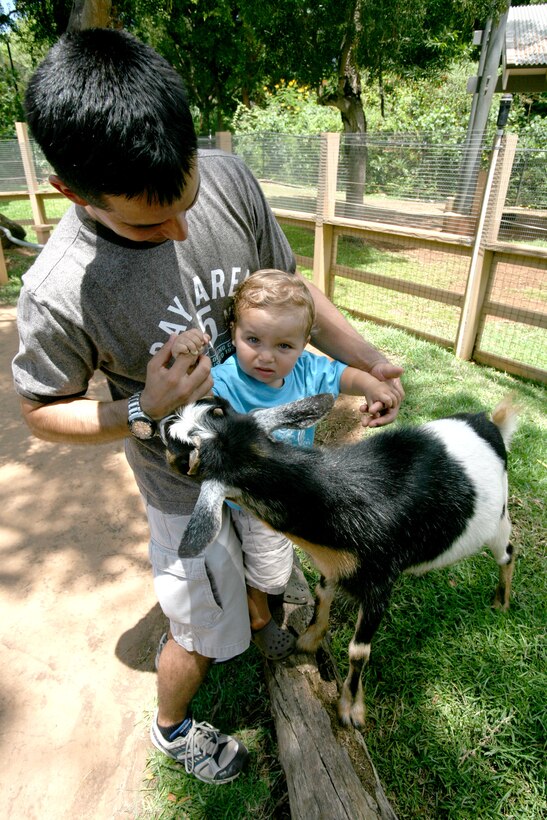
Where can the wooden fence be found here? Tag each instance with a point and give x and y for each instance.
(479, 265)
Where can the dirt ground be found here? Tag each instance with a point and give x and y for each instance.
(79, 624)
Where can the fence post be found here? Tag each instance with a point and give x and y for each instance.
(487, 231)
(326, 201)
(223, 140)
(499, 194)
(36, 203)
(3, 269)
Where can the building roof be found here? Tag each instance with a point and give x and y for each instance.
(526, 36)
(524, 56)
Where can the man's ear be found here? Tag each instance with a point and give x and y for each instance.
(63, 189)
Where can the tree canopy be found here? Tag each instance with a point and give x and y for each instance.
(230, 52)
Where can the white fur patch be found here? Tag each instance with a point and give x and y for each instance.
(486, 472)
(189, 424)
(359, 651)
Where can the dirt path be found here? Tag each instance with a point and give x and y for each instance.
(79, 624)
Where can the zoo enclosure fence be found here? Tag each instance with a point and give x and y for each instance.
(399, 229)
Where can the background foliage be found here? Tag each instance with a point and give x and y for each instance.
(347, 64)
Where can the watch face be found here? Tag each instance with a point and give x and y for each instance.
(141, 428)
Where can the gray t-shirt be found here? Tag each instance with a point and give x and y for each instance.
(95, 301)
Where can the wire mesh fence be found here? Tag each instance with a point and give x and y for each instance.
(525, 212)
(408, 179)
(403, 282)
(287, 165)
(514, 318)
(12, 173)
(405, 211)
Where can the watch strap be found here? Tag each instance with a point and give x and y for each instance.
(140, 423)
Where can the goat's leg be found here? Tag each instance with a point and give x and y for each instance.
(504, 554)
(310, 639)
(351, 706)
(503, 590)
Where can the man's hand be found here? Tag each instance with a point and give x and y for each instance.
(174, 379)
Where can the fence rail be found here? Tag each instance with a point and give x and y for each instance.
(386, 228)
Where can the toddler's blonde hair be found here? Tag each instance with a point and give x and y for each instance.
(271, 288)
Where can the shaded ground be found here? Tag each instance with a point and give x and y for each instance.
(79, 623)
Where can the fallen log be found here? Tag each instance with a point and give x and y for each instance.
(328, 768)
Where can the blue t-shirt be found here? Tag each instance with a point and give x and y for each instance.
(311, 374)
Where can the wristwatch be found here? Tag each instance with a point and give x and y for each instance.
(141, 425)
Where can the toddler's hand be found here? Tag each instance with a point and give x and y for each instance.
(381, 400)
(190, 343)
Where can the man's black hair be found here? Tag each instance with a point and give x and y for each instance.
(111, 117)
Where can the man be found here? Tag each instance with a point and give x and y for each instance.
(157, 240)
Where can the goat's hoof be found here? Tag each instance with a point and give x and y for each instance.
(501, 601)
(351, 714)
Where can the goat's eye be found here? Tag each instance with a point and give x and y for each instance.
(218, 411)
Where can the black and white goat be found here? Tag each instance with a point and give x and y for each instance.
(403, 500)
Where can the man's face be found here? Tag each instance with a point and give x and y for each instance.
(140, 221)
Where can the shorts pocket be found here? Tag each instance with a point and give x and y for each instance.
(183, 587)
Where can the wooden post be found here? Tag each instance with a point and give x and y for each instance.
(3, 268)
(488, 223)
(326, 201)
(223, 140)
(499, 192)
(474, 300)
(36, 202)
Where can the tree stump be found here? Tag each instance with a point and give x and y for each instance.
(328, 768)
(14, 228)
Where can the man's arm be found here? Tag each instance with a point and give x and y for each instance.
(169, 384)
(335, 336)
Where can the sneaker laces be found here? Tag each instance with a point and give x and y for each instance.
(202, 738)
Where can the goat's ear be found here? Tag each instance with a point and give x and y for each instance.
(302, 413)
(206, 520)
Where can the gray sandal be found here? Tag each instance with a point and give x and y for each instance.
(274, 643)
(297, 592)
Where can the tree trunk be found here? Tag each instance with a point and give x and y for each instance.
(347, 98)
(90, 14)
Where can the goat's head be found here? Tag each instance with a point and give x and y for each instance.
(198, 426)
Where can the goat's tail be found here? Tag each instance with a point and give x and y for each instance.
(505, 417)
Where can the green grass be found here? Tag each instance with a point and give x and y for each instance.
(455, 692)
(18, 261)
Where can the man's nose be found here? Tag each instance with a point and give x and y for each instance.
(176, 228)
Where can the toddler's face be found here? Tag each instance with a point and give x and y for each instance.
(268, 343)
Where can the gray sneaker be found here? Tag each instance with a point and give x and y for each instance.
(205, 752)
